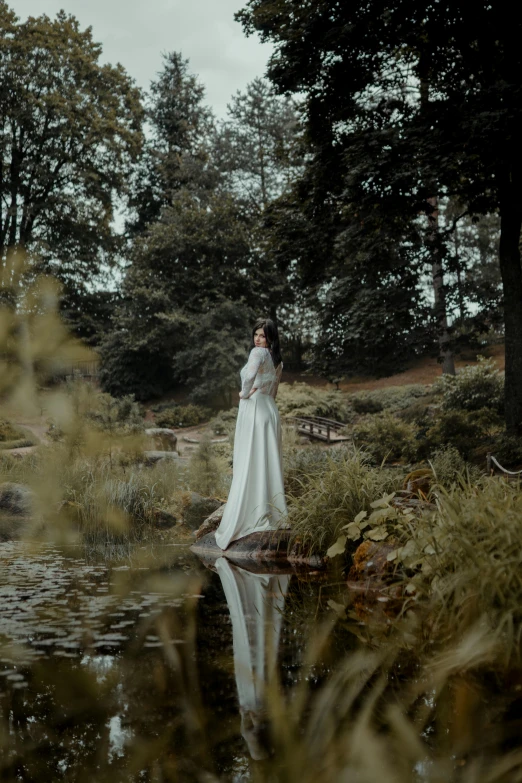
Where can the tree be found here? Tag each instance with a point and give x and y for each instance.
(256, 145)
(361, 67)
(176, 151)
(70, 129)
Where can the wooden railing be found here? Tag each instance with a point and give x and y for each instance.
(318, 427)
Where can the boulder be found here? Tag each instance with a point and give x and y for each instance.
(155, 456)
(16, 498)
(370, 561)
(267, 548)
(211, 523)
(164, 519)
(162, 438)
(198, 508)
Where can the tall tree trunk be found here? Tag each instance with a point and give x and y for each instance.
(437, 274)
(462, 307)
(511, 271)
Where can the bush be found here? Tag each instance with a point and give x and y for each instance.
(300, 399)
(182, 416)
(13, 436)
(224, 423)
(450, 468)
(393, 398)
(473, 388)
(508, 450)
(465, 430)
(385, 437)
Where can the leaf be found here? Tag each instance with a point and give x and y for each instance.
(383, 502)
(360, 516)
(392, 555)
(380, 515)
(337, 548)
(377, 534)
(339, 609)
(353, 531)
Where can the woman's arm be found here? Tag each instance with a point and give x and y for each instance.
(256, 358)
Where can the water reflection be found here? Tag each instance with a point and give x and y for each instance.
(256, 603)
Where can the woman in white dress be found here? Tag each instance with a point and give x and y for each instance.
(256, 501)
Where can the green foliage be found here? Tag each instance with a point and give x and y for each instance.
(256, 144)
(301, 399)
(465, 430)
(392, 398)
(467, 554)
(225, 422)
(473, 388)
(75, 130)
(450, 468)
(508, 450)
(385, 438)
(331, 490)
(181, 416)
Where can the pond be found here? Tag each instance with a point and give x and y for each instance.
(142, 663)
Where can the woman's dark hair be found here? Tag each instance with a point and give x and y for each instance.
(272, 338)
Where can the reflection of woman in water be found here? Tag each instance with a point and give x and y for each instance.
(256, 603)
(256, 500)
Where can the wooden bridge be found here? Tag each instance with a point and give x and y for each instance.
(319, 428)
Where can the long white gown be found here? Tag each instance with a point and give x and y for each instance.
(256, 501)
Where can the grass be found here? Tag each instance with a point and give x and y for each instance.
(329, 491)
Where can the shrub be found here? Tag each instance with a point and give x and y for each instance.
(393, 398)
(450, 468)
(465, 430)
(473, 388)
(224, 423)
(13, 436)
(182, 416)
(385, 437)
(508, 450)
(300, 399)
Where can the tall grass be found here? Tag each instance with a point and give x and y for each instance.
(326, 490)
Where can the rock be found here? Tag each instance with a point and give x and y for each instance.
(198, 508)
(16, 498)
(268, 547)
(164, 519)
(155, 456)
(370, 561)
(211, 523)
(419, 481)
(163, 438)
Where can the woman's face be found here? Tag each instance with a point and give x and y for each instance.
(259, 338)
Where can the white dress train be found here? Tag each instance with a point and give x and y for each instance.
(256, 603)
(256, 501)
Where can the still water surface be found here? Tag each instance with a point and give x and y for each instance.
(142, 664)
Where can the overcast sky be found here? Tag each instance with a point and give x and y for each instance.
(136, 32)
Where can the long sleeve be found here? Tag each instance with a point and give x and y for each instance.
(255, 360)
